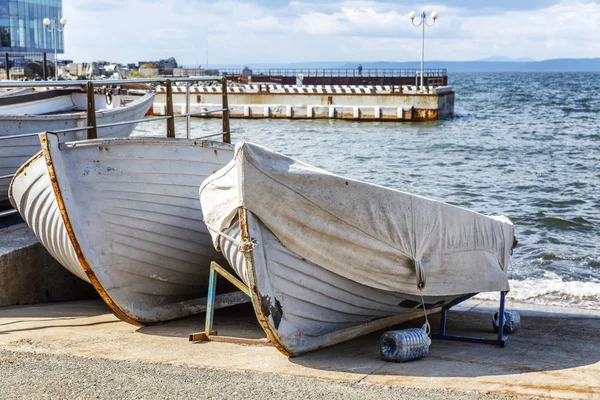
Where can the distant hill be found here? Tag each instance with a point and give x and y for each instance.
(555, 65)
(507, 59)
(493, 64)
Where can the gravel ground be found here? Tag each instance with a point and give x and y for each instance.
(35, 375)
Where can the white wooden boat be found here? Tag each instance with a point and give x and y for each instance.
(54, 110)
(14, 92)
(328, 258)
(129, 219)
(32, 195)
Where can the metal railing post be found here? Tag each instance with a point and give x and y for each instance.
(45, 72)
(225, 113)
(187, 110)
(7, 65)
(169, 110)
(92, 133)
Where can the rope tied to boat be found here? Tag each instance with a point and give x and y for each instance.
(426, 327)
(246, 246)
(420, 271)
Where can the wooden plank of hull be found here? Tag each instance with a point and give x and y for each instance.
(131, 209)
(32, 195)
(15, 152)
(303, 307)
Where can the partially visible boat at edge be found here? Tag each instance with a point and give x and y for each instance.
(328, 258)
(15, 92)
(55, 110)
(124, 215)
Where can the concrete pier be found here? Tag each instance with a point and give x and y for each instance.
(376, 103)
(555, 354)
(29, 275)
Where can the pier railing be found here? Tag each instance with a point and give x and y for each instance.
(337, 72)
(92, 127)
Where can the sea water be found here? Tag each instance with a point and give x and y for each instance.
(524, 145)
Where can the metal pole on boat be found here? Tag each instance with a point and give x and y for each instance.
(169, 111)
(187, 110)
(225, 113)
(92, 133)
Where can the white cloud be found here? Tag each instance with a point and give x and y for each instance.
(246, 32)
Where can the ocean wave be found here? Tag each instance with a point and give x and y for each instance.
(552, 291)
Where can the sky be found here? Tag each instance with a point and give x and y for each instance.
(243, 32)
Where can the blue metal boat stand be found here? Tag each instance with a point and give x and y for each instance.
(212, 335)
(501, 339)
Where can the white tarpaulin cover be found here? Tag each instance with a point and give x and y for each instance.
(377, 236)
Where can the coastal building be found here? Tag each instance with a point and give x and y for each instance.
(23, 36)
(163, 67)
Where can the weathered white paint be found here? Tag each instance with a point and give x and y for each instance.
(32, 195)
(134, 209)
(309, 307)
(14, 152)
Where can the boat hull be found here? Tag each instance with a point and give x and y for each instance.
(32, 195)
(130, 209)
(303, 307)
(15, 152)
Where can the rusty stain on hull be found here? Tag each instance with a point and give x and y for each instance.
(119, 312)
(256, 297)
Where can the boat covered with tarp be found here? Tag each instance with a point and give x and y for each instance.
(123, 214)
(329, 258)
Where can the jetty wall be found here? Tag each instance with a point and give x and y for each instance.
(29, 274)
(397, 103)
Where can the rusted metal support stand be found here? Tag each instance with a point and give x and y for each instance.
(212, 335)
(500, 341)
(169, 110)
(92, 132)
(226, 128)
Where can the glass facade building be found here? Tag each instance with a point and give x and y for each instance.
(22, 29)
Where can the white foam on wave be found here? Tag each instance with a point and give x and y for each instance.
(552, 291)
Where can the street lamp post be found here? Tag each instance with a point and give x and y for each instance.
(54, 27)
(423, 23)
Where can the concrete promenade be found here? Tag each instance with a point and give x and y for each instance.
(556, 354)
